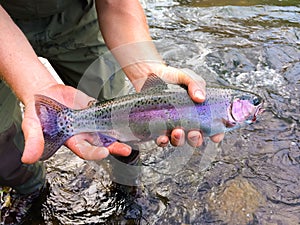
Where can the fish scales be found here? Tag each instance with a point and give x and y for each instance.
(147, 115)
(136, 113)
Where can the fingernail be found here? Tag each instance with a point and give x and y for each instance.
(126, 150)
(103, 153)
(194, 138)
(177, 136)
(199, 94)
(162, 140)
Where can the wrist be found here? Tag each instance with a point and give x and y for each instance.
(28, 96)
(138, 60)
(32, 81)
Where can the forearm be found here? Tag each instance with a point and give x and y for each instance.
(19, 65)
(122, 22)
(124, 28)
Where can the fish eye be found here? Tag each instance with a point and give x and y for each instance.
(256, 101)
(244, 97)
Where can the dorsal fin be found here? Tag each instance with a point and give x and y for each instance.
(154, 82)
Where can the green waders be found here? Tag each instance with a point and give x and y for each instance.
(67, 34)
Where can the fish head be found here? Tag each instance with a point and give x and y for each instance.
(244, 109)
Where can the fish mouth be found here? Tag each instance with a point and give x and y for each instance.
(230, 114)
(259, 110)
(231, 122)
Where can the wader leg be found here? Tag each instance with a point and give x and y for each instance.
(21, 177)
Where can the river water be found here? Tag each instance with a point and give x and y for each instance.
(253, 176)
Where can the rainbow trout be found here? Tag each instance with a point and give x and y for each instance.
(143, 116)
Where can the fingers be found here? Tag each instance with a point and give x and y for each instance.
(195, 138)
(217, 138)
(120, 149)
(85, 146)
(89, 152)
(178, 138)
(196, 92)
(82, 145)
(194, 82)
(34, 141)
(162, 141)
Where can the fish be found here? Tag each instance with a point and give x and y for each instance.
(156, 110)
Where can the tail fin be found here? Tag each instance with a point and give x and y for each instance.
(47, 110)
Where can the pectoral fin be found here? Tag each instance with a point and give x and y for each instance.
(105, 139)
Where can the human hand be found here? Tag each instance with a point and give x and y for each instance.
(196, 89)
(82, 144)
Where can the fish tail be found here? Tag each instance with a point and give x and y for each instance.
(48, 111)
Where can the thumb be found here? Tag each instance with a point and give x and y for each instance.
(194, 82)
(34, 141)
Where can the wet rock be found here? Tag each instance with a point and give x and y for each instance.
(227, 61)
(235, 202)
(292, 73)
(280, 56)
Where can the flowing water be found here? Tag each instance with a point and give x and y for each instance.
(253, 176)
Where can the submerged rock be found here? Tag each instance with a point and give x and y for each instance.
(235, 202)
